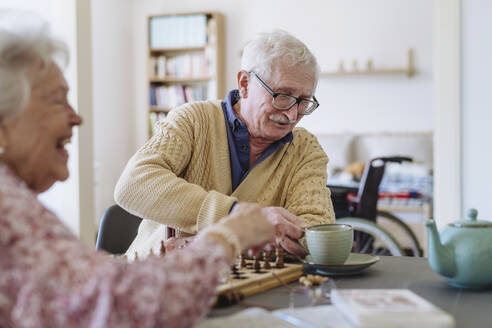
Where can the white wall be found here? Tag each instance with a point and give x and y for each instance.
(62, 198)
(114, 95)
(86, 131)
(447, 111)
(477, 106)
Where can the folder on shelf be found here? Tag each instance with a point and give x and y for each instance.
(178, 31)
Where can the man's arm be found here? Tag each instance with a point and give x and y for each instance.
(309, 198)
(151, 187)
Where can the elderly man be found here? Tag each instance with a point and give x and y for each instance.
(209, 155)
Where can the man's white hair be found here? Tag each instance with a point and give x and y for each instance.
(261, 52)
(27, 48)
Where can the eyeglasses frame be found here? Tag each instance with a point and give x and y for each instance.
(275, 94)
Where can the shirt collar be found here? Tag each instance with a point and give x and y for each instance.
(231, 99)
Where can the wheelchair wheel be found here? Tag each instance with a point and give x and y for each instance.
(369, 238)
(410, 235)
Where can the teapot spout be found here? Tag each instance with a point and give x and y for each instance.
(441, 257)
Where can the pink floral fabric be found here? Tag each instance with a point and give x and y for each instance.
(48, 278)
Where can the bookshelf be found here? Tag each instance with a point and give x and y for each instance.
(185, 61)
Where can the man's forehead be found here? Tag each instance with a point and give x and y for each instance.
(293, 82)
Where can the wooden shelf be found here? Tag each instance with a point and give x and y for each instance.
(156, 52)
(184, 66)
(409, 70)
(172, 79)
(155, 109)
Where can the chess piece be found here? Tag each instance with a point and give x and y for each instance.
(257, 265)
(369, 64)
(266, 259)
(236, 274)
(163, 248)
(279, 261)
(243, 263)
(136, 256)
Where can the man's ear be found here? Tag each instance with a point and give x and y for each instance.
(242, 83)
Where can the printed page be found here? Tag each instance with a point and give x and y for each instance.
(252, 317)
(324, 316)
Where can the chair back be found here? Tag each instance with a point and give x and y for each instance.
(117, 230)
(369, 190)
(369, 186)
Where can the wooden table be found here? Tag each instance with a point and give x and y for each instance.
(469, 308)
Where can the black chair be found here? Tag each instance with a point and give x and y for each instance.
(363, 214)
(117, 230)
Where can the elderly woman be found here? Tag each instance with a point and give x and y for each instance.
(48, 278)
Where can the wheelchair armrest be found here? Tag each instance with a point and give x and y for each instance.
(394, 159)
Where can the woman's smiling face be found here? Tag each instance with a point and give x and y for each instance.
(36, 138)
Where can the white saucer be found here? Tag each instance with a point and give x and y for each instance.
(353, 265)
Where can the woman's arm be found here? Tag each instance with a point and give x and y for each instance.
(48, 278)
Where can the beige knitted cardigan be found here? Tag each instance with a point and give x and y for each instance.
(182, 177)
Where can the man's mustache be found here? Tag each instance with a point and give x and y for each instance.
(279, 118)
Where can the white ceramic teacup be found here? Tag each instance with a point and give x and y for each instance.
(330, 243)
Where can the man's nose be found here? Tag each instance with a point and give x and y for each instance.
(291, 113)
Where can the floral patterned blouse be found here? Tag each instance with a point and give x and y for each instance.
(48, 278)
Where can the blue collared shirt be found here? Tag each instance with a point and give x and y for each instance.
(238, 139)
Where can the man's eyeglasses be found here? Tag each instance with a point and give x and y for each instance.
(282, 101)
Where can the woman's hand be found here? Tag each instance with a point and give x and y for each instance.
(176, 243)
(247, 226)
(250, 226)
(250, 223)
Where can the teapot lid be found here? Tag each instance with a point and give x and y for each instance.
(471, 221)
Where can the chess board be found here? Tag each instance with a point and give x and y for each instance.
(245, 281)
(249, 276)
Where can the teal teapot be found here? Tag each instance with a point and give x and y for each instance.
(462, 253)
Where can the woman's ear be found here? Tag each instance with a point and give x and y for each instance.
(3, 141)
(242, 83)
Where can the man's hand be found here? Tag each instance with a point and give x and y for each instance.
(288, 228)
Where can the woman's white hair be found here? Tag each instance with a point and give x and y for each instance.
(27, 48)
(260, 53)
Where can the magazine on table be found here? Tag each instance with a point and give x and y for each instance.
(389, 308)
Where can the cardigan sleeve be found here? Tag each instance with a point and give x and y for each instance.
(151, 185)
(48, 278)
(308, 196)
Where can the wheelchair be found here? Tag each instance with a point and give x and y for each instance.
(362, 214)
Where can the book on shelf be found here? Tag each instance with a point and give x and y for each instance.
(211, 31)
(174, 95)
(389, 308)
(191, 65)
(157, 67)
(160, 67)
